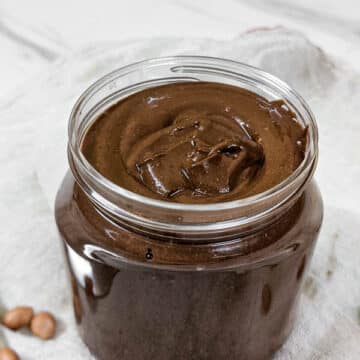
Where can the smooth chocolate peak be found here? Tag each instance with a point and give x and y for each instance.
(196, 142)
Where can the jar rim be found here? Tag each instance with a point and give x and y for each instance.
(224, 67)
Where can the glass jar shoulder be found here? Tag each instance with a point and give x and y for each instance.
(88, 231)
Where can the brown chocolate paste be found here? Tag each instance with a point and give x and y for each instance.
(196, 143)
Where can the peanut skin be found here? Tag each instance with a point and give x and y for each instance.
(43, 325)
(8, 354)
(18, 317)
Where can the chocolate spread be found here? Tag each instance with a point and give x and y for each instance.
(139, 296)
(196, 143)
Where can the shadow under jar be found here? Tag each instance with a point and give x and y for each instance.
(163, 280)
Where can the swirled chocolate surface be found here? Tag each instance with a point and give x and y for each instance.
(196, 142)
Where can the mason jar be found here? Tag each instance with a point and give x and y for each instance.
(161, 280)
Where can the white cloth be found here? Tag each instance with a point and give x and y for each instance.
(33, 160)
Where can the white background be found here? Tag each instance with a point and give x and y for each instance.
(35, 33)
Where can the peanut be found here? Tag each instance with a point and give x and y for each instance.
(8, 354)
(18, 317)
(43, 325)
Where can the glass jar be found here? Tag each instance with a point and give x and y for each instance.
(160, 280)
